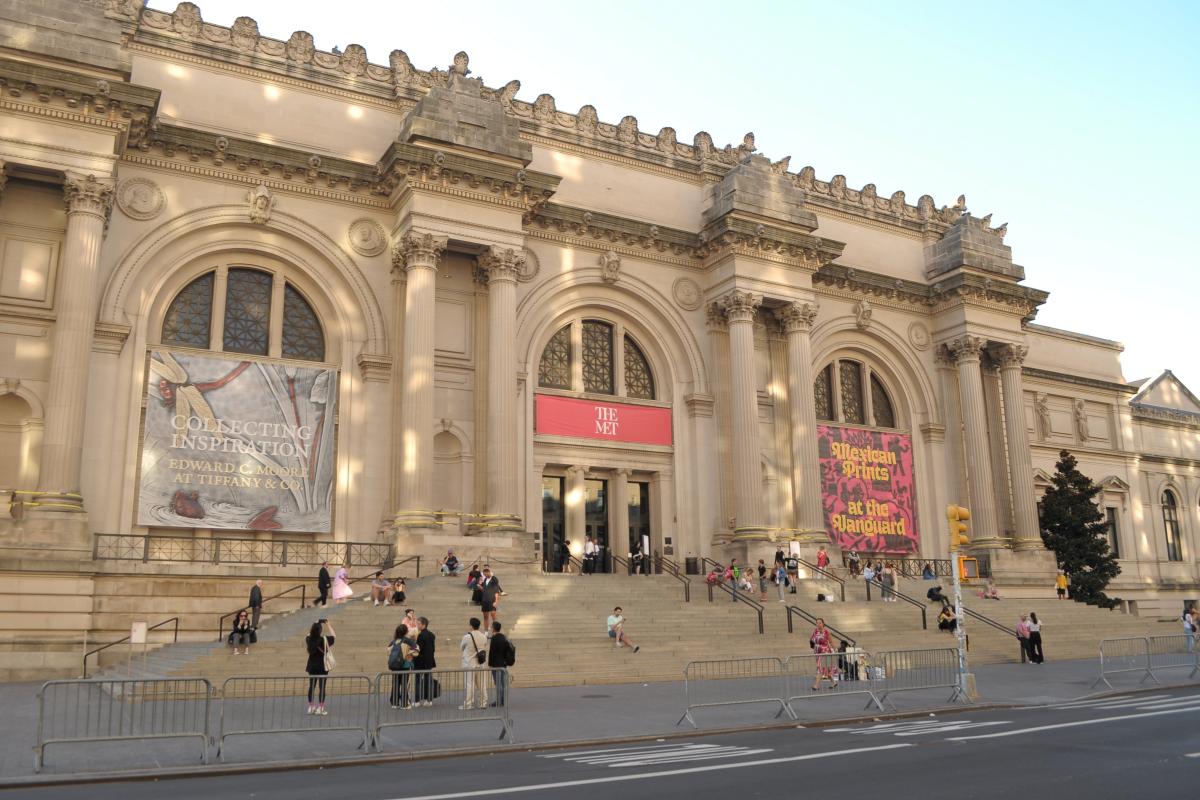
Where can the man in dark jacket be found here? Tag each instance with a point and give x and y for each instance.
(256, 603)
(499, 658)
(426, 643)
(323, 584)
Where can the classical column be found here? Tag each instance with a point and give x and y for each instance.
(89, 200)
(399, 299)
(966, 351)
(575, 504)
(740, 310)
(1020, 464)
(422, 253)
(797, 320)
(619, 541)
(502, 265)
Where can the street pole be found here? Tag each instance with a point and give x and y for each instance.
(959, 628)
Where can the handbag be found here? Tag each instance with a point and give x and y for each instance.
(480, 654)
(329, 661)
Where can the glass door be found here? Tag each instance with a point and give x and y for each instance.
(554, 543)
(639, 524)
(595, 519)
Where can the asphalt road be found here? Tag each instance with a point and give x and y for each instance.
(1134, 746)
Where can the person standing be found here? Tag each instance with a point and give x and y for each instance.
(489, 596)
(852, 561)
(323, 584)
(888, 580)
(1060, 585)
(821, 642)
(256, 603)
(762, 580)
(318, 643)
(499, 660)
(426, 647)
(589, 555)
(822, 558)
(1023, 638)
(780, 580)
(402, 653)
(1035, 639)
(793, 571)
(341, 586)
(779, 556)
(474, 655)
(732, 573)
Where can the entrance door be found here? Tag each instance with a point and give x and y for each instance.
(595, 519)
(554, 548)
(639, 522)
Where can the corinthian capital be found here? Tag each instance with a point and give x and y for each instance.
(419, 249)
(740, 306)
(714, 315)
(1010, 356)
(797, 317)
(966, 348)
(502, 263)
(87, 194)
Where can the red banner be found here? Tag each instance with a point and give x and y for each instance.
(593, 419)
(867, 489)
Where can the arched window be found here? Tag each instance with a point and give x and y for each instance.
(1171, 523)
(850, 392)
(233, 309)
(597, 357)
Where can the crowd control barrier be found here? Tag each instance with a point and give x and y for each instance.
(1145, 655)
(812, 676)
(78, 711)
(732, 682)
(263, 705)
(913, 670)
(440, 696)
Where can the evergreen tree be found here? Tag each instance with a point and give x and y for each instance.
(1075, 530)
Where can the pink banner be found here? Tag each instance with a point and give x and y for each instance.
(592, 419)
(867, 489)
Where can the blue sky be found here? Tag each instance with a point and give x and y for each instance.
(1077, 123)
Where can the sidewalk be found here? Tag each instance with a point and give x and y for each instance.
(540, 716)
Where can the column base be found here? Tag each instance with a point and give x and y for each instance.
(1026, 545)
(1024, 573)
(494, 523)
(752, 533)
(40, 532)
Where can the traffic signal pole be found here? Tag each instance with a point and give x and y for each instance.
(956, 517)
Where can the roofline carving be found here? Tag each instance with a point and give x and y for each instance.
(1078, 380)
(184, 29)
(1162, 414)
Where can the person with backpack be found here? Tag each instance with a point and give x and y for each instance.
(402, 653)
(732, 574)
(501, 655)
(427, 686)
(793, 571)
(319, 644)
(474, 649)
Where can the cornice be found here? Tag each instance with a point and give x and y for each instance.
(1077, 380)
(1161, 414)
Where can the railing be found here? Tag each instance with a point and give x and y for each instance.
(827, 575)
(740, 597)
(616, 560)
(393, 569)
(302, 588)
(911, 670)
(914, 567)
(440, 696)
(235, 550)
(669, 567)
(154, 627)
(735, 681)
(912, 601)
(800, 612)
(991, 623)
(846, 672)
(1146, 655)
(285, 704)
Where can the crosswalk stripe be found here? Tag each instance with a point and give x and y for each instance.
(1101, 701)
(917, 727)
(646, 748)
(675, 753)
(697, 757)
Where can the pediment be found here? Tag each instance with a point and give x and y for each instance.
(1041, 477)
(1113, 484)
(1167, 391)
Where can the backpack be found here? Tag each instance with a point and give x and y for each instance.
(510, 655)
(396, 656)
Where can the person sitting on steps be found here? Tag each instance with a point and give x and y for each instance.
(616, 631)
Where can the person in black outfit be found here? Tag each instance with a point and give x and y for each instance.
(240, 636)
(426, 644)
(323, 584)
(935, 595)
(318, 642)
(256, 602)
(489, 589)
(497, 661)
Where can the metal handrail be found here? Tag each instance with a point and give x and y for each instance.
(135, 547)
(912, 567)
(998, 626)
(392, 568)
(667, 564)
(303, 587)
(800, 612)
(153, 627)
(717, 565)
(906, 598)
(671, 567)
(826, 574)
(615, 559)
(740, 597)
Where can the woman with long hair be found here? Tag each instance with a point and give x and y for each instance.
(241, 632)
(318, 643)
(401, 653)
(341, 586)
(821, 642)
(1035, 639)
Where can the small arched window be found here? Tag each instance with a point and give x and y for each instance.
(232, 309)
(638, 380)
(597, 357)
(554, 370)
(1170, 512)
(850, 392)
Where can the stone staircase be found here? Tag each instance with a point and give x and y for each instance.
(558, 625)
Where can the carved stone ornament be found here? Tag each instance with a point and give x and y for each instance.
(687, 293)
(1041, 407)
(797, 316)
(862, 315)
(714, 317)
(918, 336)
(300, 47)
(140, 198)
(740, 306)
(261, 203)
(610, 267)
(367, 237)
(186, 20)
(1011, 355)
(1081, 421)
(502, 263)
(244, 34)
(87, 194)
(422, 249)
(966, 348)
(531, 266)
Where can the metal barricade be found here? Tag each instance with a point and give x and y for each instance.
(293, 704)
(913, 670)
(441, 696)
(75, 711)
(1179, 651)
(735, 681)
(811, 676)
(1128, 654)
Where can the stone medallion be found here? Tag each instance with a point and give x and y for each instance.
(918, 336)
(367, 237)
(687, 293)
(140, 198)
(531, 266)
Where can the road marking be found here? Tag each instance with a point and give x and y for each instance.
(666, 754)
(660, 774)
(615, 750)
(1191, 755)
(1077, 723)
(918, 727)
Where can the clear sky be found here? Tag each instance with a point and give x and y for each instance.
(1077, 123)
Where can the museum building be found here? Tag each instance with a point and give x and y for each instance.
(250, 288)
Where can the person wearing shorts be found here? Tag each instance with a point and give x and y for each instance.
(489, 591)
(1060, 585)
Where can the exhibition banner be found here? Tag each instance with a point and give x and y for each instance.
(237, 444)
(592, 419)
(867, 489)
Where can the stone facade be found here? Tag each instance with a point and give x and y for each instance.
(448, 235)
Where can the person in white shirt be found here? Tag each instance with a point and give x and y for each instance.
(475, 682)
(616, 630)
(1035, 639)
(590, 551)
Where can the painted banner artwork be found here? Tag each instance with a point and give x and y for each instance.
(867, 489)
(590, 419)
(237, 444)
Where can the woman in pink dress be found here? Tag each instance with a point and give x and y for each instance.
(822, 644)
(341, 586)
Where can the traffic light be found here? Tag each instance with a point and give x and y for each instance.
(956, 517)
